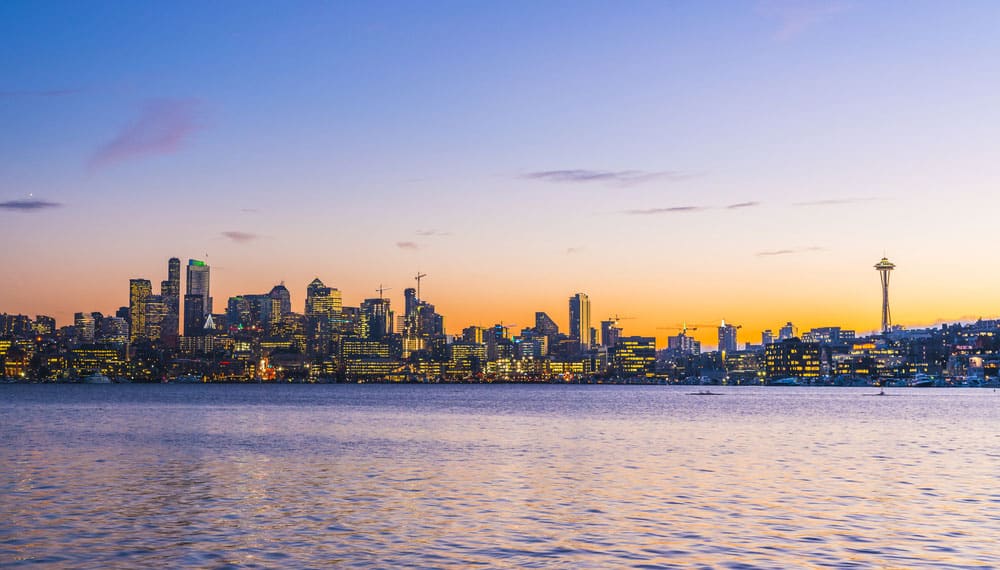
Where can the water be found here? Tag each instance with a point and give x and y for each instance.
(216, 476)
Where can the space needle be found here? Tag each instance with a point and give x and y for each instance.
(884, 267)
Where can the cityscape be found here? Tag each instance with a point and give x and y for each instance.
(165, 336)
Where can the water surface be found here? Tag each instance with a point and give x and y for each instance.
(503, 476)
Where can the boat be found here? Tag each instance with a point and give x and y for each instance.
(923, 381)
(189, 379)
(790, 381)
(96, 378)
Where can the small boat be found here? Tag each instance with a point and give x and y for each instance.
(922, 381)
(790, 381)
(96, 378)
(189, 379)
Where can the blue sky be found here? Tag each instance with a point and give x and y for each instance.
(363, 141)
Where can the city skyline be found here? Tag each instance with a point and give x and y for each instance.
(198, 301)
(678, 162)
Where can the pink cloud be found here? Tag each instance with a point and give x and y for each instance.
(163, 127)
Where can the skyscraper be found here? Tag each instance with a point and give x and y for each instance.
(139, 291)
(197, 284)
(323, 313)
(727, 338)
(194, 315)
(284, 298)
(579, 319)
(377, 317)
(170, 290)
(610, 333)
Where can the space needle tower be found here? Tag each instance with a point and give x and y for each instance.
(884, 267)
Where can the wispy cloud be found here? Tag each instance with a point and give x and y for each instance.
(574, 250)
(775, 252)
(249, 210)
(240, 237)
(163, 127)
(432, 233)
(613, 177)
(741, 205)
(40, 93)
(30, 205)
(832, 202)
(670, 210)
(795, 17)
(407, 245)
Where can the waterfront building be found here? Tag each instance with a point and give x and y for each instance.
(792, 358)
(633, 356)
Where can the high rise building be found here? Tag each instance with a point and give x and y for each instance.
(610, 333)
(170, 290)
(323, 313)
(284, 297)
(766, 337)
(84, 323)
(156, 317)
(197, 284)
(683, 344)
(727, 338)
(194, 315)
(545, 326)
(377, 318)
(786, 332)
(579, 319)
(139, 292)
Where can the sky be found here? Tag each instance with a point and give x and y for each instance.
(679, 162)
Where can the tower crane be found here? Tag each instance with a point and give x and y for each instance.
(381, 290)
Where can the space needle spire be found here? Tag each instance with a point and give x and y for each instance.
(884, 267)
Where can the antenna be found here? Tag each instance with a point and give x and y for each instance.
(418, 278)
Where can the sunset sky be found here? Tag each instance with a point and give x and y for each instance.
(677, 161)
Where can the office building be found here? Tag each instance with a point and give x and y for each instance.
(579, 320)
(139, 292)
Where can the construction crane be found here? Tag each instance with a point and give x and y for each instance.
(684, 328)
(418, 278)
(615, 318)
(381, 290)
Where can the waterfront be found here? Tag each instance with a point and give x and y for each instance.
(497, 476)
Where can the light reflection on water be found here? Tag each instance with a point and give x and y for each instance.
(498, 476)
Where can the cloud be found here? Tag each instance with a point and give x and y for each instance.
(776, 252)
(574, 250)
(615, 177)
(671, 210)
(741, 205)
(432, 233)
(795, 17)
(249, 210)
(832, 202)
(240, 237)
(30, 205)
(407, 245)
(163, 127)
(40, 93)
